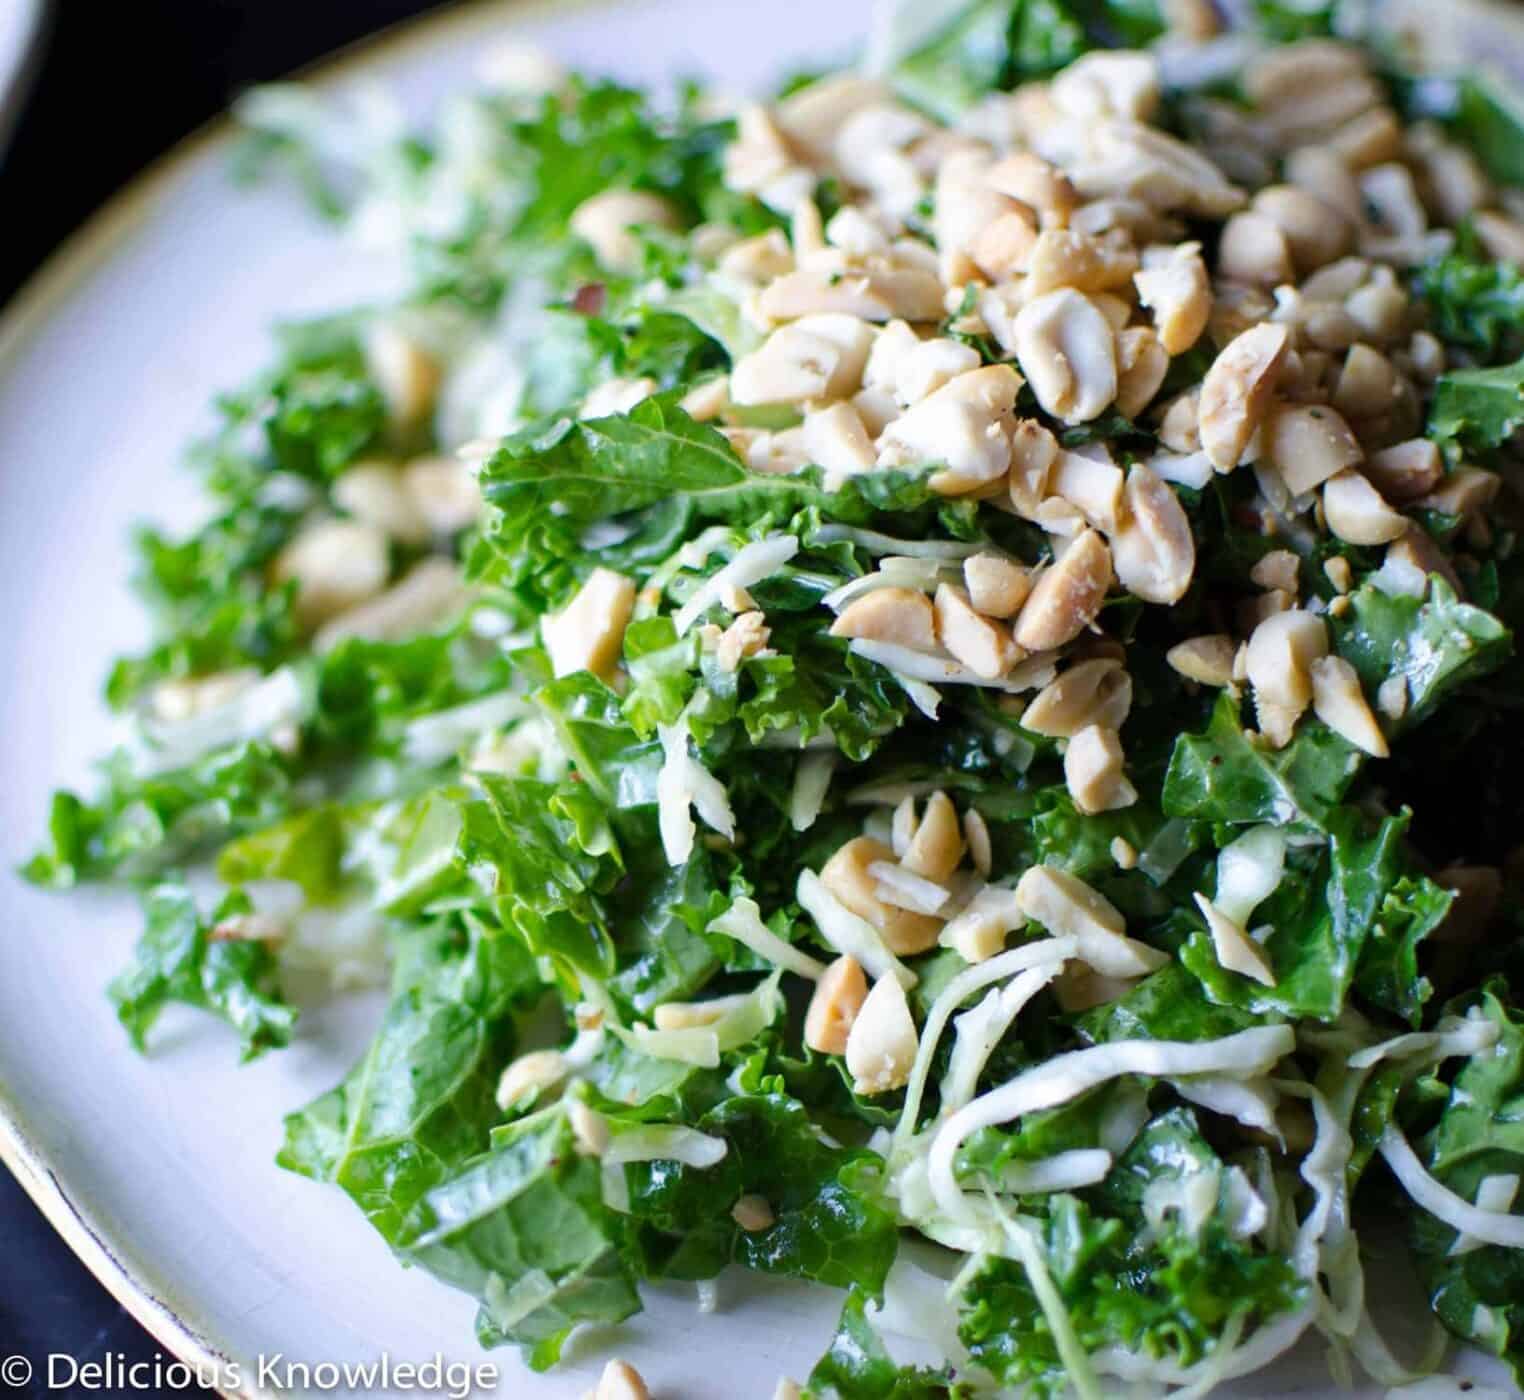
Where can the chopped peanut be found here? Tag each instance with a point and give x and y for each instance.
(1088, 693)
(1255, 250)
(1179, 428)
(837, 440)
(1339, 573)
(753, 1213)
(1173, 284)
(1064, 258)
(979, 930)
(533, 1074)
(1338, 701)
(1034, 453)
(815, 357)
(1067, 350)
(1464, 492)
(336, 565)
(376, 493)
(977, 833)
(1281, 653)
(1308, 443)
(1405, 471)
(1154, 553)
(1066, 905)
(1205, 660)
(1093, 771)
(1236, 392)
(590, 1130)
(838, 997)
(605, 222)
(745, 637)
(1093, 485)
(935, 849)
(997, 586)
(902, 616)
(588, 634)
(980, 643)
(1235, 950)
(882, 1044)
(1357, 514)
(964, 424)
(1142, 367)
(444, 493)
(406, 373)
(1278, 569)
(1316, 232)
(1034, 182)
(1067, 596)
(621, 1381)
(847, 877)
(1502, 237)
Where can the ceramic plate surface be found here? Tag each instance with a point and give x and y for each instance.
(160, 1171)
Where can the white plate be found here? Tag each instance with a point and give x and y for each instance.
(159, 1171)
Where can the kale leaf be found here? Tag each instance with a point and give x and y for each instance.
(1479, 410)
(858, 1366)
(1168, 1291)
(1225, 775)
(185, 959)
(1478, 1295)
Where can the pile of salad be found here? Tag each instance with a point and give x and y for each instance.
(913, 686)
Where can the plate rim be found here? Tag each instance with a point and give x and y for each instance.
(115, 1264)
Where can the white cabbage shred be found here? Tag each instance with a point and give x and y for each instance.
(753, 562)
(849, 934)
(684, 784)
(743, 922)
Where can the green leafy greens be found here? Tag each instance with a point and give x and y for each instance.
(748, 897)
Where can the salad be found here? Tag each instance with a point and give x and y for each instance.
(912, 686)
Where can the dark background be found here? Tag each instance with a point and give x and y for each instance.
(116, 83)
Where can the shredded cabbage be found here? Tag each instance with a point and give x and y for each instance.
(981, 1029)
(743, 922)
(1248, 872)
(1064, 1171)
(1453, 1036)
(664, 1142)
(812, 782)
(1495, 1193)
(744, 1019)
(753, 562)
(257, 711)
(906, 890)
(1078, 1364)
(876, 543)
(1248, 1053)
(1249, 1102)
(849, 934)
(923, 574)
(913, 665)
(1049, 955)
(684, 783)
(436, 737)
(1488, 1226)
